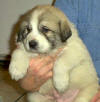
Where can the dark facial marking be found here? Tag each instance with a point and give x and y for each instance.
(52, 38)
(23, 32)
(45, 29)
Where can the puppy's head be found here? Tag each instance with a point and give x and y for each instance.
(44, 29)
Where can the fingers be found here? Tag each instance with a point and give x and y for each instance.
(45, 69)
(40, 69)
(54, 56)
(35, 61)
(37, 64)
(49, 75)
(40, 61)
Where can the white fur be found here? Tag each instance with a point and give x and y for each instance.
(73, 67)
(19, 64)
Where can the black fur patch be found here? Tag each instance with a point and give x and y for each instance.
(23, 32)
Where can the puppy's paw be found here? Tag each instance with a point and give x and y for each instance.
(61, 83)
(61, 86)
(17, 70)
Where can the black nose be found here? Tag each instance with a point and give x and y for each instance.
(32, 44)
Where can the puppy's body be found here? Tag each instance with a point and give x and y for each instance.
(48, 30)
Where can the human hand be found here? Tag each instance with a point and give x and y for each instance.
(39, 71)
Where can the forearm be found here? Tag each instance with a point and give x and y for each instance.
(27, 83)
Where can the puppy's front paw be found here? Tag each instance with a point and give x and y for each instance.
(17, 70)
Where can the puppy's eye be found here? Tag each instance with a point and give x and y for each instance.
(45, 29)
(27, 29)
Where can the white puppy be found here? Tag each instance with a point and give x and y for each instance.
(44, 30)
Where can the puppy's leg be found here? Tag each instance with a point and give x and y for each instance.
(87, 93)
(37, 97)
(67, 61)
(19, 64)
(61, 76)
(61, 72)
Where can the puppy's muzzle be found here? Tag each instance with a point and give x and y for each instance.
(33, 44)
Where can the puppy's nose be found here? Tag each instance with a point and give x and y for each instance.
(32, 44)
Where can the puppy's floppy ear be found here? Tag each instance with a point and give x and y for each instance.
(24, 30)
(65, 31)
(20, 35)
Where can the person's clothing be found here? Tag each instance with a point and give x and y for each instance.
(85, 14)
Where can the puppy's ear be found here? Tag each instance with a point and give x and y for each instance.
(65, 31)
(24, 30)
(20, 36)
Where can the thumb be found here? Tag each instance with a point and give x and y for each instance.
(57, 53)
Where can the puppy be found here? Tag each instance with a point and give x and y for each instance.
(43, 31)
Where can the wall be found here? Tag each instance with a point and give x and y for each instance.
(10, 10)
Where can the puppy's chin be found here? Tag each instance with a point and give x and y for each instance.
(38, 50)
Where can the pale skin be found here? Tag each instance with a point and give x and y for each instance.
(39, 71)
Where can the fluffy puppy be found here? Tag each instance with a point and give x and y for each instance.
(43, 31)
